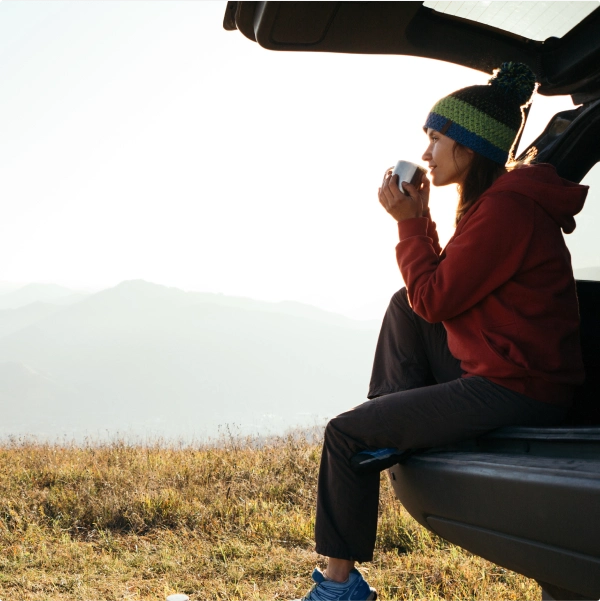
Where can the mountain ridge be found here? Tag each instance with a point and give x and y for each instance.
(30, 293)
(185, 362)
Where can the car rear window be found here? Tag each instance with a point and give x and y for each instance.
(533, 20)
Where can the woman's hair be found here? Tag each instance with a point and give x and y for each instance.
(481, 174)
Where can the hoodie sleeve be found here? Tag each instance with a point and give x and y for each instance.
(432, 233)
(485, 252)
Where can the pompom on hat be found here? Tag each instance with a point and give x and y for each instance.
(486, 119)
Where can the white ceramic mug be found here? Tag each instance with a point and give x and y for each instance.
(408, 172)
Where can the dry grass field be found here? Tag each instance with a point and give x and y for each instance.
(232, 520)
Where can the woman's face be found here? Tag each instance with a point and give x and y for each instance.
(447, 166)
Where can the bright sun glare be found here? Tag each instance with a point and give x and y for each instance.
(141, 140)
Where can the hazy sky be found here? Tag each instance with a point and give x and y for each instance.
(141, 140)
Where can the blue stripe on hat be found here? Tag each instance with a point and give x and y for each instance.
(467, 138)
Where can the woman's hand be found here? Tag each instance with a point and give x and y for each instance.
(404, 206)
(423, 191)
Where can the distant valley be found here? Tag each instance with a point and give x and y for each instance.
(143, 361)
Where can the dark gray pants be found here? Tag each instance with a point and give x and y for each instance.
(419, 400)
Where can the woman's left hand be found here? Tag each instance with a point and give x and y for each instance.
(400, 206)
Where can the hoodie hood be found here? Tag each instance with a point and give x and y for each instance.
(560, 198)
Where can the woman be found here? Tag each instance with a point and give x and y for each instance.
(484, 335)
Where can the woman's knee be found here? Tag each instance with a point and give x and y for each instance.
(353, 426)
(399, 306)
(335, 439)
(334, 430)
(400, 302)
(401, 296)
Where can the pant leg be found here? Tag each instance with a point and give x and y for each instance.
(411, 352)
(347, 501)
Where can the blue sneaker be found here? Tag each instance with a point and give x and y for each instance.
(354, 589)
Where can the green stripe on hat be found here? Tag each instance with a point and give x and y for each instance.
(476, 121)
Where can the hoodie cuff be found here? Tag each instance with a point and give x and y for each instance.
(412, 227)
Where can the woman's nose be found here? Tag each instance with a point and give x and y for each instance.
(427, 154)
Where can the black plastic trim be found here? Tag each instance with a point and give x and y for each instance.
(580, 572)
(569, 65)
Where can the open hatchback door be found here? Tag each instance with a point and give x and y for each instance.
(527, 499)
(480, 35)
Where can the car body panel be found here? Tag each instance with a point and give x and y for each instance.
(527, 499)
(510, 499)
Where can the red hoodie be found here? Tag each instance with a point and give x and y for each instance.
(503, 286)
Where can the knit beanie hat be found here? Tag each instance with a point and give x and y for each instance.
(486, 119)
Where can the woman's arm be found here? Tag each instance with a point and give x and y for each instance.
(415, 204)
(432, 232)
(486, 251)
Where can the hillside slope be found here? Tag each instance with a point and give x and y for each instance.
(150, 360)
